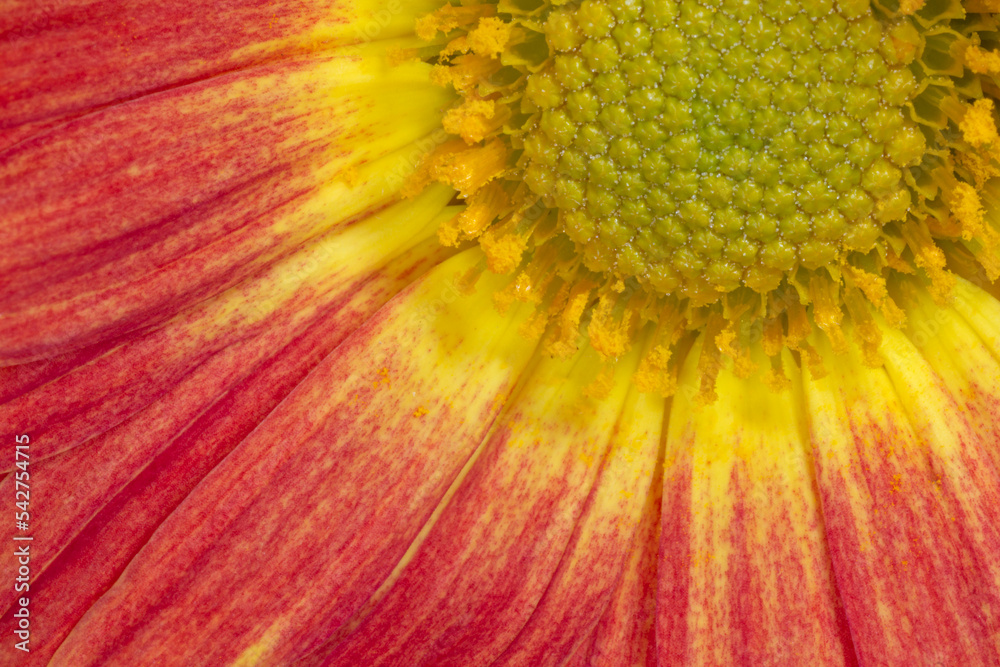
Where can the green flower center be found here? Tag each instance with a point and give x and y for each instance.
(701, 146)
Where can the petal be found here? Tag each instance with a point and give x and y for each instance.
(194, 207)
(272, 308)
(67, 587)
(66, 57)
(486, 564)
(910, 499)
(360, 453)
(602, 544)
(745, 576)
(962, 345)
(581, 656)
(303, 309)
(626, 634)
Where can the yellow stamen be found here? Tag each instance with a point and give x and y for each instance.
(978, 127)
(450, 18)
(476, 119)
(490, 37)
(981, 61)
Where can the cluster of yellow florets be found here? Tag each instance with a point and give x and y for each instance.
(701, 146)
(745, 171)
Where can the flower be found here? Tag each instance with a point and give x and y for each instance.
(264, 415)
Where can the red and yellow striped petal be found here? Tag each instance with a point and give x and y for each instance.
(63, 58)
(118, 220)
(270, 309)
(601, 547)
(360, 453)
(271, 331)
(744, 572)
(87, 566)
(910, 495)
(626, 634)
(510, 536)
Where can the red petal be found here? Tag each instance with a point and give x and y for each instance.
(604, 543)
(62, 58)
(271, 309)
(906, 469)
(250, 368)
(626, 634)
(348, 456)
(120, 219)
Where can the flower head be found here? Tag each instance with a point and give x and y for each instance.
(610, 332)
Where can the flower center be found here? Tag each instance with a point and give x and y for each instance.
(700, 146)
(754, 172)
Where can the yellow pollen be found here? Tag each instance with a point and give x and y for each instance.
(978, 127)
(473, 121)
(908, 7)
(490, 37)
(981, 61)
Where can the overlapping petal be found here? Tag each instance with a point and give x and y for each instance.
(625, 634)
(910, 491)
(246, 348)
(63, 58)
(120, 219)
(359, 453)
(522, 560)
(600, 551)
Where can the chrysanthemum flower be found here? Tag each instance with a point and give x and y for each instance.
(539, 332)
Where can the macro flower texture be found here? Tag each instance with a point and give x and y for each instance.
(517, 332)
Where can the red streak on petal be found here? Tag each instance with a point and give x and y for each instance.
(64, 58)
(97, 555)
(673, 590)
(495, 552)
(916, 571)
(626, 634)
(137, 412)
(120, 219)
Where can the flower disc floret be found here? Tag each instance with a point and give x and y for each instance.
(711, 101)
